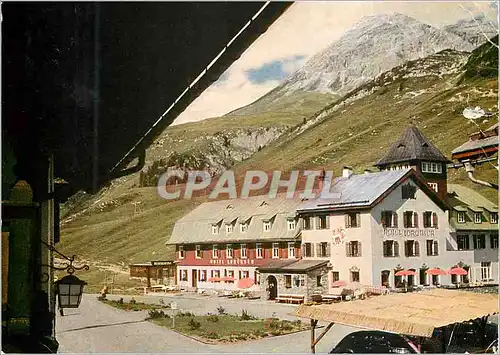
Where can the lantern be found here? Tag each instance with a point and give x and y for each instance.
(69, 291)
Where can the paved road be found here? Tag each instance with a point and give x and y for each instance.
(98, 328)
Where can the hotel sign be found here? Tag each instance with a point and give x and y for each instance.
(232, 262)
(404, 233)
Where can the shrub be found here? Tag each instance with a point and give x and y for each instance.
(221, 310)
(285, 325)
(211, 335)
(185, 314)
(133, 301)
(213, 318)
(120, 301)
(153, 313)
(298, 323)
(276, 332)
(259, 333)
(274, 324)
(193, 325)
(245, 315)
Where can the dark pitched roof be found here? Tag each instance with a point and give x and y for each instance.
(412, 145)
(301, 265)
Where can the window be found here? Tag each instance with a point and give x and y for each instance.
(408, 192)
(435, 168)
(323, 250)
(430, 219)
(463, 242)
(433, 185)
(391, 248)
(384, 277)
(494, 217)
(276, 250)
(243, 227)
(353, 249)
(307, 223)
(215, 274)
(260, 252)
(410, 219)
(291, 250)
(267, 226)
(318, 281)
(461, 217)
(354, 276)
(389, 219)
(322, 222)
(181, 252)
(215, 229)
(411, 248)
(203, 275)
(245, 274)
(307, 250)
(485, 270)
(199, 252)
(477, 217)
(215, 251)
(229, 251)
(243, 250)
(256, 277)
(291, 224)
(183, 275)
(288, 281)
(432, 247)
(335, 276)
(494, 241)
(299, 280)
(229, 228)
(352, 220)
(479, 241)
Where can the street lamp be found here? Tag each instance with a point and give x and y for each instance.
(69, 291)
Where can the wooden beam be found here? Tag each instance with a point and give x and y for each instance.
(314, 322)
(328, 327)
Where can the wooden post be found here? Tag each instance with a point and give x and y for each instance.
(314, 322)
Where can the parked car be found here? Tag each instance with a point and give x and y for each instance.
(374, 342)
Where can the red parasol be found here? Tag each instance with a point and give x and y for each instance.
(406, 273)
(339, 283)
(458, 271)
(227, 278)
(436, 271)
(246, 283)
(214, 279)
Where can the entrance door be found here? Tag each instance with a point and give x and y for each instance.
(194, 278)
(272, 288)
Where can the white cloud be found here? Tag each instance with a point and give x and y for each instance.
(304, 30)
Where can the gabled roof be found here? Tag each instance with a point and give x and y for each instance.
(195, 227)
(366, 190)
(298, 266)
(412, 145)
(471, 145)
(467, 200)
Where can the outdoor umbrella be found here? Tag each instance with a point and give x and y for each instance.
(339, 283)
(458, 271)
(406, 273)
(436, 271)
(245, 283)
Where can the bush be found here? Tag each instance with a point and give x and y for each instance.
(213, 318)
(285, 325)
(211, 335)
(133, 301)
(193, 325)
(245, 315)
(120, 301)
(185, 314)
(274, 324)
(221, 310)
(153, 313)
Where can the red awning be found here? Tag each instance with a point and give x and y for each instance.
(227, 278)
(214, 279)
(246, 283)
(436, 271)
(406, 273)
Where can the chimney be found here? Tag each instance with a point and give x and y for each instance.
(346, 172)
(367, 171)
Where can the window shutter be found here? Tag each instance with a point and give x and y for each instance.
(358, 219)
(359, 249)
(318, 249)
(346, 218)
(395, 219)
(327, 221)
(417, 249)
(396, 249)
(383, 219)
(415, 219)
(303, 250)
(347, 248)
(435, 219)
(407, 249)
(328, 249)
(436, 247)
(405, 219)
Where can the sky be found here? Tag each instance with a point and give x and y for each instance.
(305, 29)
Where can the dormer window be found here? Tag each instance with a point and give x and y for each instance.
(291, 224)
(494, 217)
(243, 227)
(477, 217)
(215, 229)
(181, 252)
(267, 226)
(461, 217)
(408, 192)
(229, 228)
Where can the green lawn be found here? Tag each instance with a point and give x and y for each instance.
(226, 327)
(132, 306)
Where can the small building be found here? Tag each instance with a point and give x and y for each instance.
(480, 145)
(300, 277)
(163, 272)
(221, 242)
